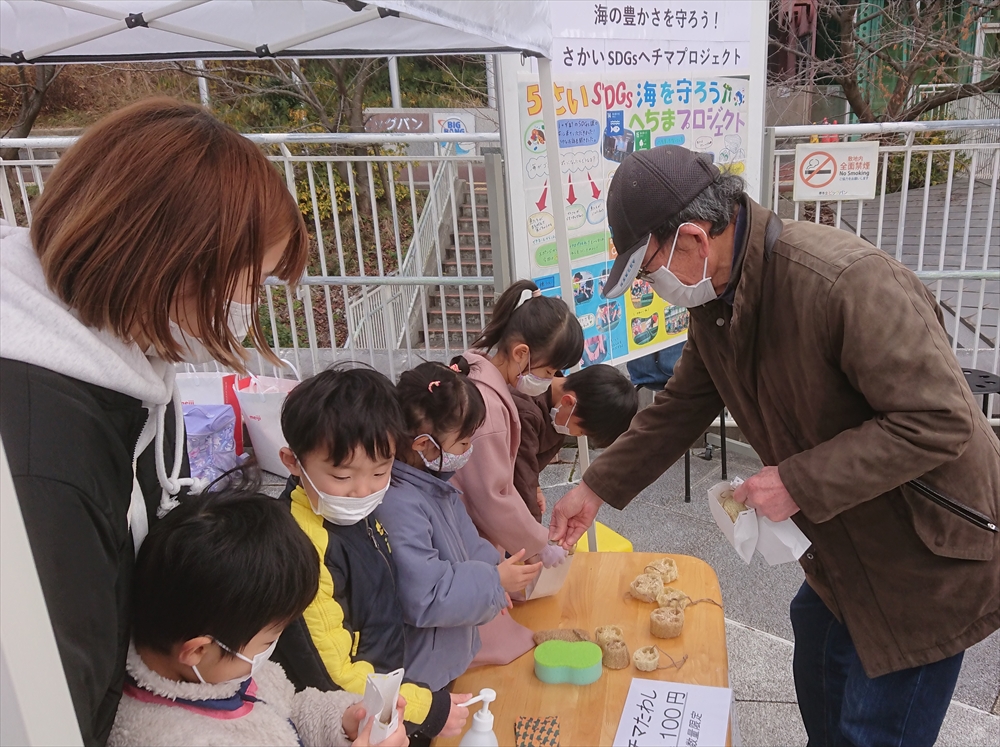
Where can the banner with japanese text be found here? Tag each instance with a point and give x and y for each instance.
(602, 118)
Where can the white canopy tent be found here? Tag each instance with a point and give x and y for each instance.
(35, 700)
(112, 30)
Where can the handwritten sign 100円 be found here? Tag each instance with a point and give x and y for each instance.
(836, 171)
(675, 714)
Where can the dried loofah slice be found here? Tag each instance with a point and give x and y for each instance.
(671, 597)
(646, 587)
(732, 507)
(572, 636)
(615, 655)
(666, 622)
(665, 568)
(646, 659)
(608, 633)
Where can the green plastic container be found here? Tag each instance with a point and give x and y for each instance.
(575, 663)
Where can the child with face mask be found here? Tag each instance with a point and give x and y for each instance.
(215, 584)
(529, 338)
(597, 402)
(450, 579)
(343, 427)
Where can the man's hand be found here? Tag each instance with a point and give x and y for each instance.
(573, 514)
(765, 493)
(540, 497)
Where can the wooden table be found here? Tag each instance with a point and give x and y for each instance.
(594, 595)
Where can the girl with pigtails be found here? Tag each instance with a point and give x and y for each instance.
(529, 338)
(451, 580)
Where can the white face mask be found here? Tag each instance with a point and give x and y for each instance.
(343, 510)
(194, 350)
(669, 287)
(255, 663)
(446, 461)
(563, 429)
(528, 383)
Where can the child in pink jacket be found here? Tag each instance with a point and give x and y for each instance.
(531, 337)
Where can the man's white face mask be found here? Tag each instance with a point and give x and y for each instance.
(669, 287)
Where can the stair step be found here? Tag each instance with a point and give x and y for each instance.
(469, 269)
(465, 224)
(469, 254)
(435, 339)
(472, 321)
(452, 300)
(483, 211)
(468, 238)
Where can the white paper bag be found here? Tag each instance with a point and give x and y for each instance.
(742, 534)
(549, 581)
(777, 541)
(381, 693)
(261, 398)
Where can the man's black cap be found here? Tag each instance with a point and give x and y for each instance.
(649, 187)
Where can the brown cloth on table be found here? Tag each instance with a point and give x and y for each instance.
(540, 444)
(834, 361)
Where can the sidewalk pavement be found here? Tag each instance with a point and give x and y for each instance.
(756, 597)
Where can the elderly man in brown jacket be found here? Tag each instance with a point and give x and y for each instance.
(832, 358)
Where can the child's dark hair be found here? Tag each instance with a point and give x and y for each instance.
(441, 399)
(225, 564)
(606, 402)
(546, 325)
(340, 410)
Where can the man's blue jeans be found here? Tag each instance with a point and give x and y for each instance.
(840, 705)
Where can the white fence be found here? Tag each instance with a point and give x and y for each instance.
(375, 269)
(379, 273)
(936, 210)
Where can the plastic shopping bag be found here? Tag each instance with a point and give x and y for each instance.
(212, 388)
(211, 441)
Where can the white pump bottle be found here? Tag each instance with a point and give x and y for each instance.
(481, 734)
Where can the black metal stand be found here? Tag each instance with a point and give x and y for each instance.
(722, 439)
(984, 383)
(687, 476)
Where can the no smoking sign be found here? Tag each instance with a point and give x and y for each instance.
(837, 171)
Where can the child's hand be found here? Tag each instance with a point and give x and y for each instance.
(352, 719)
(457, 716)
(515, 577)
(397, 739)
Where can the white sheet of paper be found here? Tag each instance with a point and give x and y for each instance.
(675, 714)
(780, 541)
(381, 693)
(742, 534)
(549, 581)
(777, 541)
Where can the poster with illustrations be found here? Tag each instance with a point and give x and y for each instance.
(601, 119)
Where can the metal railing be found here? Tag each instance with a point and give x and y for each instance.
(935, 210)
(375, 262)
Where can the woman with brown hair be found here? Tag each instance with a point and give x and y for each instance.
(147, 247)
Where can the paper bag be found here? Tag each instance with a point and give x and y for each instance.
(381, 693)
(777, 541)
(549, 581)
(742, 534)
(261, 398)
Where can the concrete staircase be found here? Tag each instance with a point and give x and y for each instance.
(449, 306)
